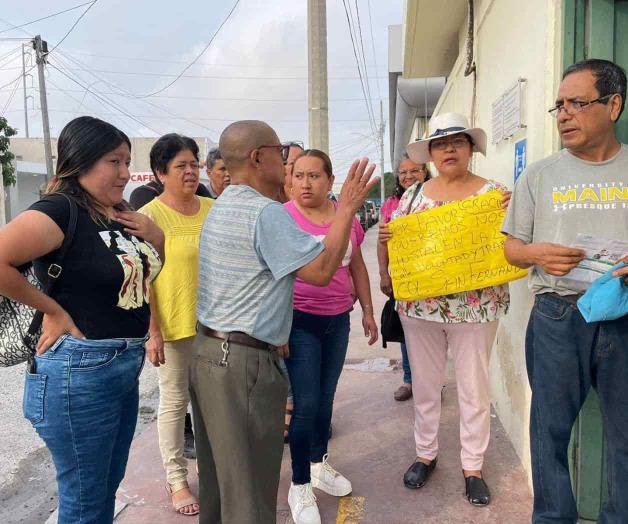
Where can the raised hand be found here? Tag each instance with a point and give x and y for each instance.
(357, 185)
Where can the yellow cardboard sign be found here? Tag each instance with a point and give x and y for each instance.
(449, 249)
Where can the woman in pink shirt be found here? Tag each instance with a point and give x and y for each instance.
(319, 338)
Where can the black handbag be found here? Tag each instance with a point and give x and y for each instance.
(390, 324)
(20, 325)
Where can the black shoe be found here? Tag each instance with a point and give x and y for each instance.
(189, 450)
(476, 491)
(418, 473)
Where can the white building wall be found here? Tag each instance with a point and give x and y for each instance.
(513, 40)
(32, 150)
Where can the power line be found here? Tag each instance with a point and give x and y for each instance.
(7, 55)
(100, 96)
(10, 99)
(104, 99)
(18, 77)
(127, 94)
(46, 17)
(93, 3)
(10, 61)
(221, 99)
(207, 64)
(176, 117)
(366, 74)
(214, 77)
(198, 56)
(368, 3)
(355, 54)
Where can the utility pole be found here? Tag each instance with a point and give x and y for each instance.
(382, 184)
(41, 53)
(317, 74)
(24, 86)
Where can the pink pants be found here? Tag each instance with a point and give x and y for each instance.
(470, 345)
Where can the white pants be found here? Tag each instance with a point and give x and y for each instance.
(174, 396)
(470, 344)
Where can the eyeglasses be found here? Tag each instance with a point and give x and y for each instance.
(577, 106)
(413, 171)
(442, 145)
(284, 150)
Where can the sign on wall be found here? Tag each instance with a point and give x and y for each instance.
(137, 179)
(520, 157)
(507, 117)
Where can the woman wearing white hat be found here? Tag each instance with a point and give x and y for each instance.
(465, 323)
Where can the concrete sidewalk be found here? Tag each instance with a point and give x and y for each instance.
(372, 445)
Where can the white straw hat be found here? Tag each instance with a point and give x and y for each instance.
(444, 125)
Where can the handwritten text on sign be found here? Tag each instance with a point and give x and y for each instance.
(449, 249)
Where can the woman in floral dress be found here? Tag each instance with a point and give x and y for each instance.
(465, 323)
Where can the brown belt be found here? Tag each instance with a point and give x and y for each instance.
(235, 337)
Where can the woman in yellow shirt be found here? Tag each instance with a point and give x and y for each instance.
(180, 214)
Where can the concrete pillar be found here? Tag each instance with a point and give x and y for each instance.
(317, 75)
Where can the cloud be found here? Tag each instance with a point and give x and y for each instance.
(262, 39)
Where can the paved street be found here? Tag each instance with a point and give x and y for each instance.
(27, 484)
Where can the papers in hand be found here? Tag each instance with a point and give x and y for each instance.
(600, 256)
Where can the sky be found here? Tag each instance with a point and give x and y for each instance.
(255, 68)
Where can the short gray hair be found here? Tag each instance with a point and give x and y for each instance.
(212, 156)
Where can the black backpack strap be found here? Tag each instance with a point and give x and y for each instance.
(56, 267)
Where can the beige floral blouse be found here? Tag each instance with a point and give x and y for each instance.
(482, 305)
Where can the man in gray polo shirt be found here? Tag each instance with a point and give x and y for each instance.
(581, 189)
(250, 253)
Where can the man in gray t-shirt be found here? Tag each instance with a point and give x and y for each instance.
(581, 189)
(250, 253)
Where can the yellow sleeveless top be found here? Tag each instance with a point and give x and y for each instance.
(173, 293)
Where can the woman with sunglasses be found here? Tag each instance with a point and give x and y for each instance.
(464, 323)
(409, 173)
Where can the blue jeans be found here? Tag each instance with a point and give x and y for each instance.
(565, 356)
(405, 363)
(318, 345)
(81, 396)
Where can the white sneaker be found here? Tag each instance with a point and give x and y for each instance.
(302, 502)
(327, 479)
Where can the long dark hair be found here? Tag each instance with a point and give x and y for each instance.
(399, 189)
(82, 143)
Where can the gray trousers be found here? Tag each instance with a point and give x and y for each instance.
(238, 414)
